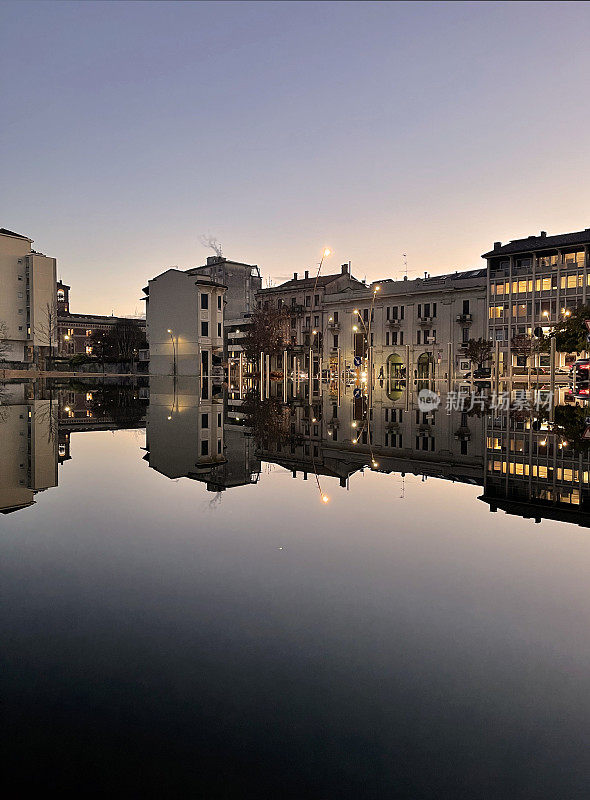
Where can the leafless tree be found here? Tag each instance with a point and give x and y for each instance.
(267, 333)
(4, 345)
(46, 328)
(212, 243)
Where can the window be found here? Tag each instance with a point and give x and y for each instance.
(205, 448)
(219, 420)
(88, 333)
(316, 321)
(419, 309)
(204, 420)
(308, 301)
(465, 338)
(204, 329)
(401, 337)
(418, 337)
(386, 338)
(394, 337)
(316, 299)
(219, 329)
(335, 316)
(293, 301)
(218, 446)
(204, 301)
(335, 340)
(466, 306)
(219, 302)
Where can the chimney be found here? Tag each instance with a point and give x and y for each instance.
(307, 273)
(497, 245)
(543, 234)
(344, 269)
(294, 276)
(425, 275)
(405, 277)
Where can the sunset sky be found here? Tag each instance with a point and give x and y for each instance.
(131, 129)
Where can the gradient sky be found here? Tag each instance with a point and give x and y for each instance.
(130, 129)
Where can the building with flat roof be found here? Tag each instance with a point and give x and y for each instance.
(533, 283)
(28, 309)
(184, 315)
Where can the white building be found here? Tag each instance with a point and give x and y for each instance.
(28, 306)
(184, 328)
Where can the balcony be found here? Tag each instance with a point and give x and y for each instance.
(425, 320)
(394, 323)
(334, 326)
(465, 318)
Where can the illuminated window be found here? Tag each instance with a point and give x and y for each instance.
(88, 333)
(88, 350)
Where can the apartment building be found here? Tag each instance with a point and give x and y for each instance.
(304, 302)
(75, 331)
(184, 315)
(27, 300)
(533, 283)
(243, 281)
(421, 324)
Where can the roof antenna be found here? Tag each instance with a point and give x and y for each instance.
(405, 257)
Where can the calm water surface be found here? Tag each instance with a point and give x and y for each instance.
(398, 641)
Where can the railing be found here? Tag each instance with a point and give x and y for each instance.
(423, 320)
(464, 318)
(395, 321)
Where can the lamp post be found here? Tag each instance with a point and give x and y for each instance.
(173, 352)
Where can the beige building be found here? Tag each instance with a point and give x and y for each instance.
(422, 324)
(184, 317)
(28, 306)
(28, 456)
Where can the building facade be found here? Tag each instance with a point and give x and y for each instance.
(75, 331)
(419, 325)
(27, 300)
(184, 315)
(533, 283)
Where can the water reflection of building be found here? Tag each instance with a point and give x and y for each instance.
(186, 437)
(533, 469)
(336, 436)
(28, 456)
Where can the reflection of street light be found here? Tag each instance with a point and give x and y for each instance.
(173, 350)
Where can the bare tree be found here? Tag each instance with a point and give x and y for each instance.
(4, 345)
(212, 243)
(46, 329)
(267, 333)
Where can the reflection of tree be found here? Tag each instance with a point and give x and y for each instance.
(4, 345)
(569, 425)
(268, 419)
(119, 404)
(46, 413)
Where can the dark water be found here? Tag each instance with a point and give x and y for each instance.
(398, 641)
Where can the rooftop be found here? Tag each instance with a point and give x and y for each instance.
(6, 232)
(540, 242)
